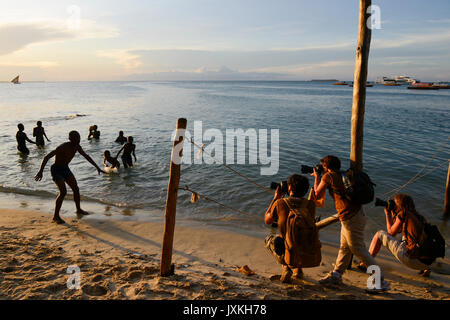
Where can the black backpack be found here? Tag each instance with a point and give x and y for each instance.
(432, 244)
(359, 188)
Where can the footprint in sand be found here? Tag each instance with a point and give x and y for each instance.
(94, 290)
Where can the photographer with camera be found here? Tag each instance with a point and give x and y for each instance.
(298, 244)
(352, 220)
(401, 217)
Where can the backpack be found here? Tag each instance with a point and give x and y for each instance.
(302, 237)
(359, 188)
(431, 244)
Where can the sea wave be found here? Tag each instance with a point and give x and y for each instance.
(47, 195)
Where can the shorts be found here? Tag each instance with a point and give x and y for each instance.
(40, 141)
(60, 172)
(275, 245)
(398, 249)
(23, 149)
(128, 161)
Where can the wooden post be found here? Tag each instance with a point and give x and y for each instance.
(171, 200)
(359, 95)
(359, 86)
(447, 195)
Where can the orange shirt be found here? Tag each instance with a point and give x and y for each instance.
(344, 207)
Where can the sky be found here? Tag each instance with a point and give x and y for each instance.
(111, 40)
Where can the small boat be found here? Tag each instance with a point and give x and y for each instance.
(15, 80)
(423, 86)
(340, 83)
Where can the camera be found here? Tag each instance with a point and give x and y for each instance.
(283, 186)
(308, 169)
(389, 205)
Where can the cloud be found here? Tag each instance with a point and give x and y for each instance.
(14, 37)
(412, 40)
(17, 36)
(122, 57)
(38, 64)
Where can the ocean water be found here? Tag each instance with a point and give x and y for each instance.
(404, 131)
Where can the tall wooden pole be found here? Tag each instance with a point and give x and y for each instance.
(447, 195)
(359, 95)
(359, 88)
(359, 85)
(171, 200)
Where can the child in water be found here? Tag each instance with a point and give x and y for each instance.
(39, 133)
(113, 161)
(93, 132)
(128, 149)
(121, 138)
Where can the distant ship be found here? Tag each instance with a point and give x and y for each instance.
(396, 81)
(340, 83)
(15, 80)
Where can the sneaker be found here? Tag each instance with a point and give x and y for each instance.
(286, 276)
(298, 274)
(384, 287)
(333, 278)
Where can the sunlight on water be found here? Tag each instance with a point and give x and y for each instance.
(403, 131)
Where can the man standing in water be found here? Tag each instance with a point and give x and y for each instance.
(21, 138)
(61, 173)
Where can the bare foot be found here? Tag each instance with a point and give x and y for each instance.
(82, 212)
(58, 220)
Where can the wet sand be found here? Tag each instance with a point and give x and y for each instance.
(121, 260)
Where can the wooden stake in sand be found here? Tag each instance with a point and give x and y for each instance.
(171, 200)
(359, 85)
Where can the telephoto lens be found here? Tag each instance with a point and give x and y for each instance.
(389, 205)
(283, 185)
(307, 169)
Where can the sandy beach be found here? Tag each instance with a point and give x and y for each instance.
(121, 259)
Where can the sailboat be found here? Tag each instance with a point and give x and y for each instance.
(15, 80)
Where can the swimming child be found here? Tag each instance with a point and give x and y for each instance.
(128, 149)
(21, 138)
(39, 133)
(121, 138)
(113, 161)
(93, 132)
(61, 173)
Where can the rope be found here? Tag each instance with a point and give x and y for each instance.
(417, 177)
(186, 188)
(229, 168)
